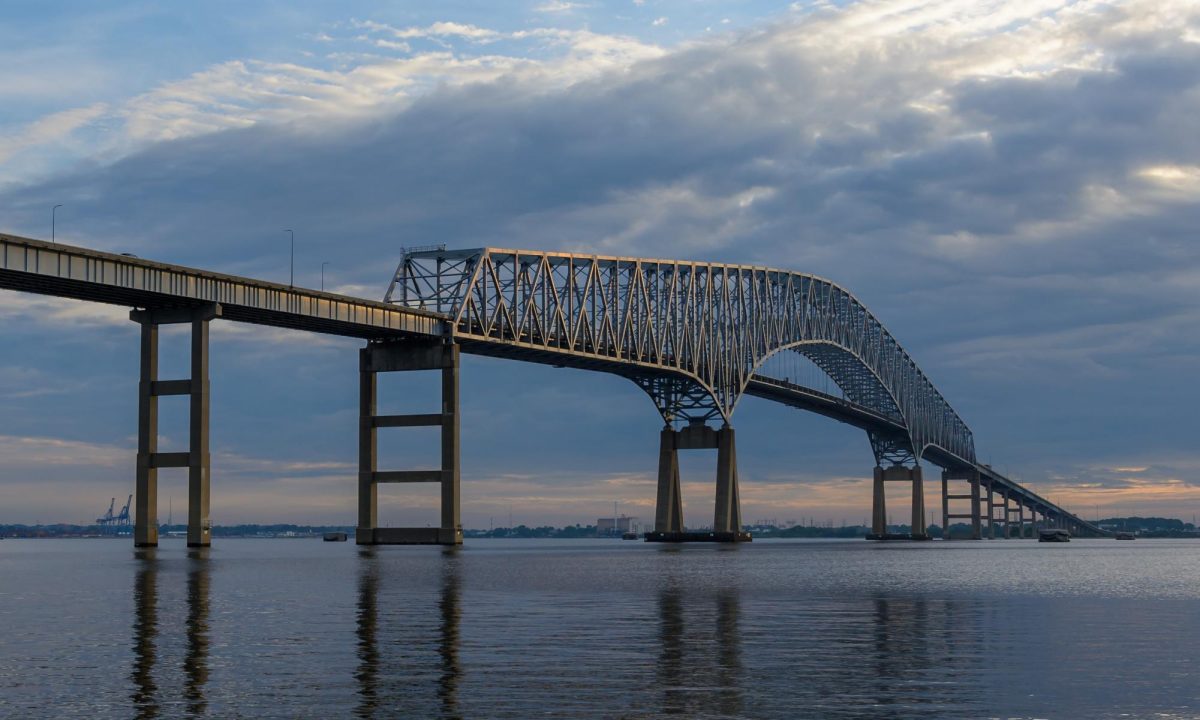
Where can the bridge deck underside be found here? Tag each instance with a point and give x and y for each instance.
(63, 271)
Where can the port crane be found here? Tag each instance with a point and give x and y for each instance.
(122, 520)
(108, 518)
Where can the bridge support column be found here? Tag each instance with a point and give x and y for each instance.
(728, 508)
(991, 506)
(920, 530)
(878, 506)
(145, 511)
(402, 356)
(668, 515)
(971, 476)
(897, 473)
(1020, 520)
(976, 528)
(945, 506)
(197, 459)
(1007, 513)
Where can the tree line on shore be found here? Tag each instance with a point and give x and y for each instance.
(1144, 526)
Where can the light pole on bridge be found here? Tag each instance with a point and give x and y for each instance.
(323, 264)
(53, 222)
(292, 261)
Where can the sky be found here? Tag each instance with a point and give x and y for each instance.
(1012, 187)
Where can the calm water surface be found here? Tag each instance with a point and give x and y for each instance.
(600, 629)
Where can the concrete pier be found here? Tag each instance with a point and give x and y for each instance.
(728, 508)
(898, 473)
(406, 356)
(668, 515)
(991, 506)
(920, 529)
(668, 512)
(878, 506)
(1006, 514)
(197, 459)
(971, 476)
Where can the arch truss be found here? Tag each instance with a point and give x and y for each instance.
(692, 335)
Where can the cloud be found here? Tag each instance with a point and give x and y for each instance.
(55, 128)
(242, 93)
(62, 312)
(1009, 186)
(557, 6)
(438, 29)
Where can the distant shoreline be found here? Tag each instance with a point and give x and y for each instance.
(1151, 527)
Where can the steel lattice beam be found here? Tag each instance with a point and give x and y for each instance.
(693, 335)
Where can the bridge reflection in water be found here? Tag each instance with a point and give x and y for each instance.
(564, 630)
(699, 667)
(688, 653)
(147, 696)
(396, 661)
(892, 655)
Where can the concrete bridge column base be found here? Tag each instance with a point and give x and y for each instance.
(878, 506)
(402, 356)
(668, 515)
(972, 477)
(728, 508)
(668, 512)
(197, 459)
(898, 473)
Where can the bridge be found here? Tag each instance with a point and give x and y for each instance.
(696, 337)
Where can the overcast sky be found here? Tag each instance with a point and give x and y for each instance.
(1013, 188)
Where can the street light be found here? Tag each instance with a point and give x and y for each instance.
(323, 264)
(292, 264)
(53, 213)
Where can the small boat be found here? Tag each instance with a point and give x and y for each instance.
(335, 537)
(1054, 535)
(629, 536)
(1125, 536)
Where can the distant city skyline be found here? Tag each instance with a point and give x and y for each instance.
(1013, 190)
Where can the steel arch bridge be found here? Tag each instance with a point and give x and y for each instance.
(694, 336)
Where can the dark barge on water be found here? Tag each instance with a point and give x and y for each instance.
(1054, 535)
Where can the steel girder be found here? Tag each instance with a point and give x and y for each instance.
(691, 334)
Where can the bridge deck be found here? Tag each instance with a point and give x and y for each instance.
(53, 269)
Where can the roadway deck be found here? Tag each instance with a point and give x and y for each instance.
(37, 266)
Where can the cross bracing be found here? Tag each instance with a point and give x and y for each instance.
(694, 335)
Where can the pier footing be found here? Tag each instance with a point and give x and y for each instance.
(714, 537)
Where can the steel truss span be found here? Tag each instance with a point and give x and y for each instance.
(694, 336)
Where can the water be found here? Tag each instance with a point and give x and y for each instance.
(601, 629)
